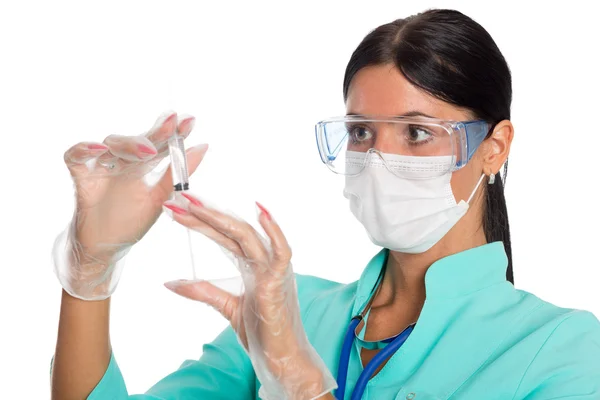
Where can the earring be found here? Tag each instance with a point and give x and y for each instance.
(492, 179)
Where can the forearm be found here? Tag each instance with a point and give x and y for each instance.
(83, 347)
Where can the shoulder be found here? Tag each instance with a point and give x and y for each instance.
(561, 323)
(314, 292)
(575, 334)
(567, 358)
(579, 324)
(311, 287)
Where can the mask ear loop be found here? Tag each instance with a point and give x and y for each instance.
(474, 190)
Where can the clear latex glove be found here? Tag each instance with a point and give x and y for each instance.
(266, 316)
(115, 206)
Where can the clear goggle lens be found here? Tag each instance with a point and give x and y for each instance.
(405, 145)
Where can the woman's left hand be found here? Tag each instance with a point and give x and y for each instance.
(266, 316)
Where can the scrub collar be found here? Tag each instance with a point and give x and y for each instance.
(450, 277)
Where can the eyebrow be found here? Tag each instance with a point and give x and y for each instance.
(408, 114)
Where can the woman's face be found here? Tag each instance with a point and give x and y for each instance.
(384, 91)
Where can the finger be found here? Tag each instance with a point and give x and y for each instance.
(240, 231)
(130, 148)
(163, 129)
(183, 217)
(280, 247)
(194, 156)
(77, 156)
(205, 292)
(185, 125)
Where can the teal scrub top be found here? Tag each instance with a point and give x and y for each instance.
(477, 338)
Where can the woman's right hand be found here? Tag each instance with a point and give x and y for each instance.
(266, 316)
(115, 207)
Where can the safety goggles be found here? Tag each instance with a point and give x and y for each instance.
(434, 147)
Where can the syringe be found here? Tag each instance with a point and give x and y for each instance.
(181, 179)
(179, 169)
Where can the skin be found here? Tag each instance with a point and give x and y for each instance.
(83, 347)
(378, 90)
(383, 90)
(267, 312)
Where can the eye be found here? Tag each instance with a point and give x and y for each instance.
(417, 134)
(359, 133)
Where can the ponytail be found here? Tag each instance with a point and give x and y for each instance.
(495, 219)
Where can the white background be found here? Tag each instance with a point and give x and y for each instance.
(258, 76)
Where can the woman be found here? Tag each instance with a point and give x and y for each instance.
(433, 316)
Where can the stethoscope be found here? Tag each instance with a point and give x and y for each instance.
(387, 348)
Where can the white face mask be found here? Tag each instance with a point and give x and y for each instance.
(408, 214)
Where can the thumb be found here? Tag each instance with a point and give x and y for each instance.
(207, 293)
(194, 157)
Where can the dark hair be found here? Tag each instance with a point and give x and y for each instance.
(451, 57)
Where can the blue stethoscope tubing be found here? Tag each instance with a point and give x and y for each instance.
(345, 357)
(371, 367)
(393, 344)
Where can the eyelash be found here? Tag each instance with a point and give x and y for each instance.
(422, 142)
(353, 139)
(353, 128)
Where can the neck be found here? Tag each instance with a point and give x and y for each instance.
(404, 281)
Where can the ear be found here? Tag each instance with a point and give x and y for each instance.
(496, 147)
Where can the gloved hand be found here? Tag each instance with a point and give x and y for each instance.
(266, 316)
(115, 206)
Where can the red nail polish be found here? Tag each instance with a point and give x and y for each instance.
(193, 200)
(145, 149)
(95, 146)
(175, 209)
(264, 210)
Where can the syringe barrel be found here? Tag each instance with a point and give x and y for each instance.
(179, 169)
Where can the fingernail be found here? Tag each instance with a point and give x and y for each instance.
(164, 117)
(172, 285)
(191, 121)
(175, 209)
(145, 149)
(264, 211)
(169, 118)
(192, 200)
(95, 146)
